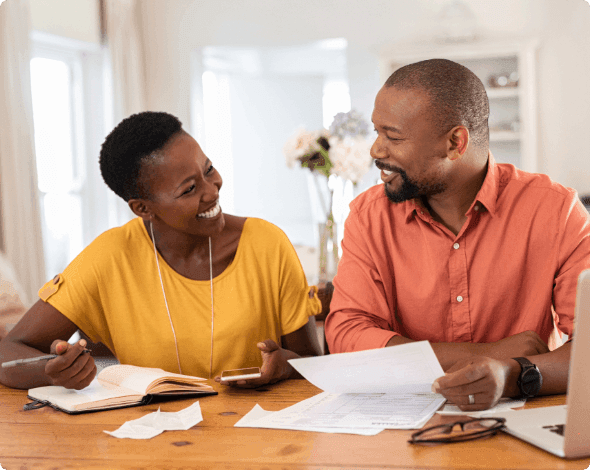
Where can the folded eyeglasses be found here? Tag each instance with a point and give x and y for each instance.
(459, 431)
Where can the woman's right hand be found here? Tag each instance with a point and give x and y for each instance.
(73, 368)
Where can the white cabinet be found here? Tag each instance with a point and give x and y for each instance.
(507, 70)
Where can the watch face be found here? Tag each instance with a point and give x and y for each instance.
(530, 381)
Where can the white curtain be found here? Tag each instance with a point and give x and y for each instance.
(126, 53)
(21, 220)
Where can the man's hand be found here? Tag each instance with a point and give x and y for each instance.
(527, 343)
(73, 368)
(483, 377)
(274, 367)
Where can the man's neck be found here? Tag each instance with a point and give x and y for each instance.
(449, 208)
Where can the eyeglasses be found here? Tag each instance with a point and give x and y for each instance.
(468, 430)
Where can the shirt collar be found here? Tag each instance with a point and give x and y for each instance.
(412, 206)
(486, 196)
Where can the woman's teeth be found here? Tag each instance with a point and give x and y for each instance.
(210, 213)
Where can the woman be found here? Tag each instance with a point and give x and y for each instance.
(183, 287)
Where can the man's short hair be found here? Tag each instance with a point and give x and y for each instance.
(457, 96)
(135, 140)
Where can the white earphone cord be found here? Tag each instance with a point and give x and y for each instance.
(211, 283)
(168, 310)
(165, 301)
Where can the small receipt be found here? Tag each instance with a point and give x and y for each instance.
(152, 424)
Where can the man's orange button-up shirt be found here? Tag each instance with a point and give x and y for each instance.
(525, 241)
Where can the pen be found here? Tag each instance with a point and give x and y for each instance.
(30, 360)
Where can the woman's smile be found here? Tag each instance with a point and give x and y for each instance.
(214, 211)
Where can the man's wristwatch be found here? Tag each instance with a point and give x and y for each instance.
(530, 379)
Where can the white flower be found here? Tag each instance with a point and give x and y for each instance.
(350, 157)
(350, 124)
(300, 144)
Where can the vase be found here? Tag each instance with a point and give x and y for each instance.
(328, 249)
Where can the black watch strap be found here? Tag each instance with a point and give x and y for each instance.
(524, 362)
(530, 378)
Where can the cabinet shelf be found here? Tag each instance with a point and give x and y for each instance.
(504, 136)
(499, 93)
(511, 104)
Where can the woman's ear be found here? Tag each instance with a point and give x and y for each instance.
(140, 208)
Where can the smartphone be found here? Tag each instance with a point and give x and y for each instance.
(240, 374)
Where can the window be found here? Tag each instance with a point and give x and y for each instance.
(218, 135)
(66, 90)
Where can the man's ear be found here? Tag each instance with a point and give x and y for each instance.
(140, 208)
(458, 142)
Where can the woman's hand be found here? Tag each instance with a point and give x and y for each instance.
(73, 368)
(274, 366)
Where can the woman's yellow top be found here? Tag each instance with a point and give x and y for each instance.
(112, 292)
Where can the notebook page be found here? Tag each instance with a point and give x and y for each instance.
(96, 393)
(131, 377)
(141, 379)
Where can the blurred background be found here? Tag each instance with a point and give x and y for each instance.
(242, 76)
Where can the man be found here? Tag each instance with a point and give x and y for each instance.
(456, 249)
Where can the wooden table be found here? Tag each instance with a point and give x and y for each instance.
(49, 439)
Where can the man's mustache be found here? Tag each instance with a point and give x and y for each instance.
(383, 166)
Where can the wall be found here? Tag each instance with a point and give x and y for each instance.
(173, 29)
(76, 19)
(564, 95)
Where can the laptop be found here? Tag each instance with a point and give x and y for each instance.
(564, 430)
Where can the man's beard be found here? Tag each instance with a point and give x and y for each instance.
(411, 189)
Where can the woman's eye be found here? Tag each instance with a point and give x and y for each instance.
(189, 190)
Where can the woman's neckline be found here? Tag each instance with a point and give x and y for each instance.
(167, 267)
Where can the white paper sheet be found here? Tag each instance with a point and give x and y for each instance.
(353, 411)
(253, 419)
(505, 404)
(388, 388)
(152, 424)
(407, 368)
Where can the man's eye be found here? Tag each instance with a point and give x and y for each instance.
(189, 190)
(210, 170)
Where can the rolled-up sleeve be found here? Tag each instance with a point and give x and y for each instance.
(360, 312)
(573, 258)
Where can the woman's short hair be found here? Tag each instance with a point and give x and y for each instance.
(134, 141)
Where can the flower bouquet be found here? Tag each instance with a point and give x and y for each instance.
(340, 152)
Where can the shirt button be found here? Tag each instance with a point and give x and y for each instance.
(476, 208)
(456, 246)
(422, 212)
(459, 298)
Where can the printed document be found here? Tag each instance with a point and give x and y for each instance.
(364, 392)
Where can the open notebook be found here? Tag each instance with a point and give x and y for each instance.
(119, 386)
